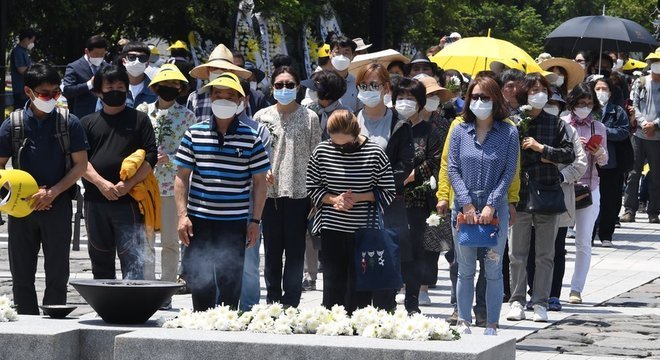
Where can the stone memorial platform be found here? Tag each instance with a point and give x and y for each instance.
(89, 338)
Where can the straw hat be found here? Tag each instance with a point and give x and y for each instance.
(221, 58)
(168, 72)
(432, 86)
(574, 72)
(226, 81)
(360, 44)
(178, 45)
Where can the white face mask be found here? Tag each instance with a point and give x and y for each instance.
(314, 96)
(135, 68)
(387, 99)
(253, 85)
(655, 67)
(618, 64)
(538, 100)
(560, 81)
(30, 46)
(241, 107)
(582, 112)
(340, 62)
(584, 66)
(603, 96)
(369, 98)
(481, 109)
(44, 106)
(432, 103)
(406, 108)
(552, 109)
(214, 75)
(224, 109)
(95, 61)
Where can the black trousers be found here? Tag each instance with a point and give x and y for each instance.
(339, 276)
(284, 230)
(214, 262)
(559, 261)
(611, 182)
(115, 227)
(51, 230)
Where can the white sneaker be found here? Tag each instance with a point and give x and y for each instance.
(516, 313)
(400, 298)
(607, 243)
(464, 329)
(489, 331)
(424, 298)
(540, 313)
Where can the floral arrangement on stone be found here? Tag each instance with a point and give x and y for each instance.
(7, 312)
(275, 319)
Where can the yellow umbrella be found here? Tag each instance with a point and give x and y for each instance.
(474, 54)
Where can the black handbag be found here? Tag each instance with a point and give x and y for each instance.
(438, 238)
(545, 199)
(582, 196)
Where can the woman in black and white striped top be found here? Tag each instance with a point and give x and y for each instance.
(342, 175)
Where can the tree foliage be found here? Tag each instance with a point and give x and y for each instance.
(64, 25)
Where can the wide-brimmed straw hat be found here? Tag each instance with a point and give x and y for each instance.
(574, 72)
(221, 58)
(431, 85)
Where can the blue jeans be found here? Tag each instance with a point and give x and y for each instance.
(251, 290)
(467, 258)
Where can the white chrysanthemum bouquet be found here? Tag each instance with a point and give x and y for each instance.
(7, 312)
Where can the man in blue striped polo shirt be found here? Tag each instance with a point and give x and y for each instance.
(225, 158)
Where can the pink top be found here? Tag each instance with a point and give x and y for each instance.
(583, 128)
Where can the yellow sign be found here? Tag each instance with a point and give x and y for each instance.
(16, 186)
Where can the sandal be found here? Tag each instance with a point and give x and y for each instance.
(554, 304)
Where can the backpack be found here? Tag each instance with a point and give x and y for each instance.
(18, 139)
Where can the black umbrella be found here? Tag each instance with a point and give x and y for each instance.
(600, 33)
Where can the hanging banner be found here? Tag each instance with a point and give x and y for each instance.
(328, 22)
(245, 39)
(273, 41)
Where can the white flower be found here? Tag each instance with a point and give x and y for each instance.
(433, 183)
(433, 220)
(455, 80)
(526, 108)
(7, 313)
(637, 73)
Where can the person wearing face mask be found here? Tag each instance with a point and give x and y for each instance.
(544, 144)
(620, 161)
(257, 99)
(213, 189)
(220, 61)
(325, 89)
(511, 80)
(389, 129)
(170, 121)
(569, 73)
(79, 77)
(20, 60)
(447, 80)
(605, 63)
(420, 266)
(583, 104)
(481, 166)
(343, 202)
(646, 142)
(295, 131)
(114, 222)
(135, 59)
(341, 55)
(45, 159)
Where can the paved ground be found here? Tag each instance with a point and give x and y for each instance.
(619, 318)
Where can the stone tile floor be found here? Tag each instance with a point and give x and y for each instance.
(613, 322)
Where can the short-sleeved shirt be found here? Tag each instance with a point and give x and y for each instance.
(222, 169)
(349, 99)
(378, 131)
(19, 57)
(42, 156)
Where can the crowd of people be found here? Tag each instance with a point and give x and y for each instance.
(303, 165)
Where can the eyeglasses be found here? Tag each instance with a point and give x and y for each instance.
(372, 86)
(481, 97)
(288, 85)
(47, 95)
(142, 57)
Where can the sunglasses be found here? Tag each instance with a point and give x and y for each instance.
(142, 57)
(372, 86)
(288, 85)
(47, 95)
(481, 97)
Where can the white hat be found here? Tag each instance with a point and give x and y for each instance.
(455, 35)
(360, 44)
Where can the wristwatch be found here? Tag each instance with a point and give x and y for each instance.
(256, 221)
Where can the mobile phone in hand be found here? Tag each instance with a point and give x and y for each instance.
(594, 141)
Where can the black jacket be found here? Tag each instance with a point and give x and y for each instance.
(400, 150)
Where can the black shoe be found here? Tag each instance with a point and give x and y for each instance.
(184, 289)
(653, 219)
(167, 305)
(480, 319)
